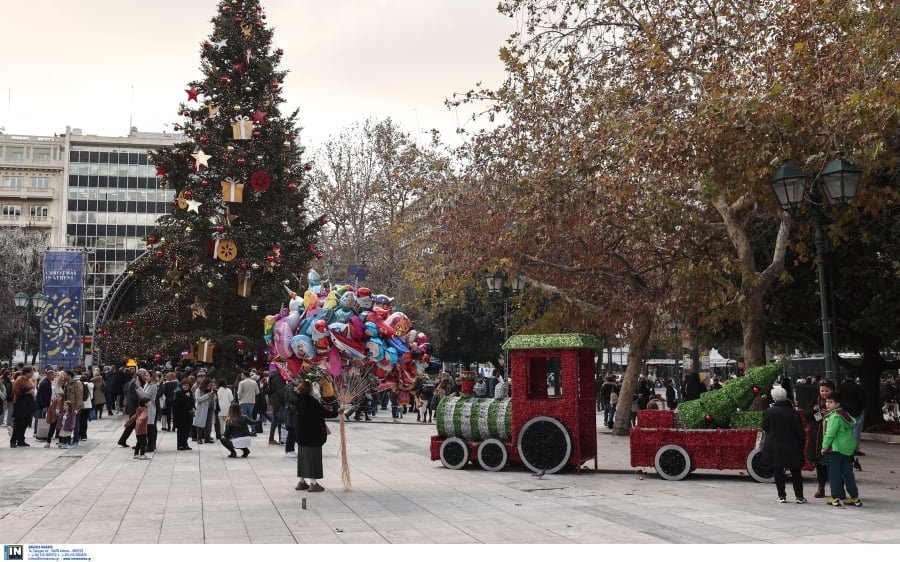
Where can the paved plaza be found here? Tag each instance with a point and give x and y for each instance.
(97, 494)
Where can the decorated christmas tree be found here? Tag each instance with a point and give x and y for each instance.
(238, 231)
(717, 408)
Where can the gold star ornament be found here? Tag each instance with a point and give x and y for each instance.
(201, 159)
(197, 309)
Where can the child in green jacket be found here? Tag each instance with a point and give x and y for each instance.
(838, 446)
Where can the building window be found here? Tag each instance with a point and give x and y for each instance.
(40, 211)
(40, 182)
(15, 154)
(12, 181)
(42, 154)
(12, 211)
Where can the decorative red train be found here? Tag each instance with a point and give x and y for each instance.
(548, 423)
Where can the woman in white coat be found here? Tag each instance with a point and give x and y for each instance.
(203, 398)
(225, 398)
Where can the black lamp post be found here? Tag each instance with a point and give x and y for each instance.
(675, 328)
(840, 180)
(34, 304)
(497, 285)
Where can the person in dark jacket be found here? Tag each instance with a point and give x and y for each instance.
(237, 432)
(783, 448)
(23, 407)
(276, 401)
(671, 398)
(131, 405)
(815, 416)
(290, 420)
(693, 388)
(311, 435)
(43, 399)
(183, 414)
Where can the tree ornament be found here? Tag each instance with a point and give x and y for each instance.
(756, 390)
(160, 171)
(213, 110)
(259, 116)
(260, 181)
(193, 206)
(226, 250)
(236, 108)
(188, 229)
(192, 93)
(220, 228)
(129, 323)
(204, 182)
(320, 255)
(324, 220)
(256, 133)
(241, 161)
(247, 30)
(239, 342)
(232, 191)
(204, 139)
(229, 148)
(160, 253)
(254, 308)
(244, 285)
(162, 240)
(209, 284)
(177, 295)
(181, 201)
(275, 85)
(224, 80)
(308, 166)
(188, 194)
(152, 239)
(254, 265)
(286, 144)
(197, 309)
(259, 157)
(130, 273)
(708, 418)
(241, 128)
(201, 159)
(248, 89)
(244, 265)
(284, 224)
(157, 357)
(292, 186)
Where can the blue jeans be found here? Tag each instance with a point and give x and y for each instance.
(857, 431)
(77, 431)
(840, 474)
(277, 417)
(247, 410)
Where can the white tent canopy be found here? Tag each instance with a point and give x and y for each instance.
(716, 359)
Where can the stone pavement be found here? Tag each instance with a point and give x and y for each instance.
(97, 494)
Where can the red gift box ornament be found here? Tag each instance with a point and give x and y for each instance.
(260, 181)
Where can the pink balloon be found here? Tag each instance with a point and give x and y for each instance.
(282, 339)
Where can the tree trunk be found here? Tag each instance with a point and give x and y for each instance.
(869, 373)
(638, 343)
(753, 324)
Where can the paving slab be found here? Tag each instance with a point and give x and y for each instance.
(96, 493)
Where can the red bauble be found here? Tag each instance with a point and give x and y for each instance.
(160, 253)
(260, 181)
(324, 220)
(241, 161)
(708, 418)
(129, 323)
(176, 127)
(223, 80)
(204, 182)
(270, 258)
(187, 194)
(308, 166)
(320, 255)
(204, 139)
(238, 20)
(275, 84)
(152, 239)
(239, 67)
(756, 391)
(313, 247)
(240, 343)
(220, 228)
(160, 171)
(244, 265)
(256, 133)
(292, 186)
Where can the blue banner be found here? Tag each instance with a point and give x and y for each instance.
(61, 321)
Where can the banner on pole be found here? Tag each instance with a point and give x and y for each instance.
(61, 321)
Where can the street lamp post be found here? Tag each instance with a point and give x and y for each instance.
(497, 285)
(34, 304)
(840, 180)
(675, 327)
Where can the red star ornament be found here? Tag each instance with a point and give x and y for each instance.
(192, 93)
(259, 116)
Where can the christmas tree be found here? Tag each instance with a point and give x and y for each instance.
(716, 408)
(238, 232)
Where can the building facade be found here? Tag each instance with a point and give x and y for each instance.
(112, 201)
(32, 183)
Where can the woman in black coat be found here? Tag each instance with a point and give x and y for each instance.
(815, 417)
(183, 414)
(311, 435)
(783, 448)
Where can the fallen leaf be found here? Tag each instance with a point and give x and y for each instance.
(339, 530)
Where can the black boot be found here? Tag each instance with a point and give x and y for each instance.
(246, 453)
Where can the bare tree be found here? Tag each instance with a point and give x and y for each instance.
(21, 269)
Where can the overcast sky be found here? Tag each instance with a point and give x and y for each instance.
(75, 62)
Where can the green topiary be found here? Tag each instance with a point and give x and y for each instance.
(748, 420)
(722, 404)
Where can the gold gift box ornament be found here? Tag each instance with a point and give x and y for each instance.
(205, 350)
(244, 285)
(242, 128)
(232, 191)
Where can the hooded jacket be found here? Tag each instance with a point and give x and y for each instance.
(839, 433)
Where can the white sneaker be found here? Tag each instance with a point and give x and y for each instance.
(290, 455)
(144, 458)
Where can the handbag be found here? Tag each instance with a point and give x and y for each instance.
(43, 428)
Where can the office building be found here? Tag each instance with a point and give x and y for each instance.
(32, 183)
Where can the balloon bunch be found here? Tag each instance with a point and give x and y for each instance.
(345, 327)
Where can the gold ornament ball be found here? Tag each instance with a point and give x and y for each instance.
(259, 156)
(149, 247)
(188, 229)
(286, 281)
(287, 144)
(177, 295)
(210, 284)
(254, 308)
(284, 224)
(130, 273)
(162, 240)
(237, 108)
(248, 89)
(254, 265)
(229, 148)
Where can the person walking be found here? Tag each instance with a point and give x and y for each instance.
(247, 390)
(815, 413)
(311, 435)
(275, 391)
(783, 446)
(183, 414)
(168, 389)
(131, 405)
(837, 447)
(23, 408)
(99, 399)
(87, 406)
(606, 390)
(237, 432)
(671, 397)
(139, 421)
(75, 395)
(693, 387)
(43, 399)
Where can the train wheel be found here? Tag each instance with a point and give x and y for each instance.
(454, 453)
(492, 455)
(544, 445)
(759, 471)
(672, 462)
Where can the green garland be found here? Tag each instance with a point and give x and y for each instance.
(723, 403)
(439, 417)
(552, 341)
(493, 410)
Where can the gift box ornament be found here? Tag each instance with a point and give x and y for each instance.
(242, 128)
(205, 350)
(232, 191)
(244, 286)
